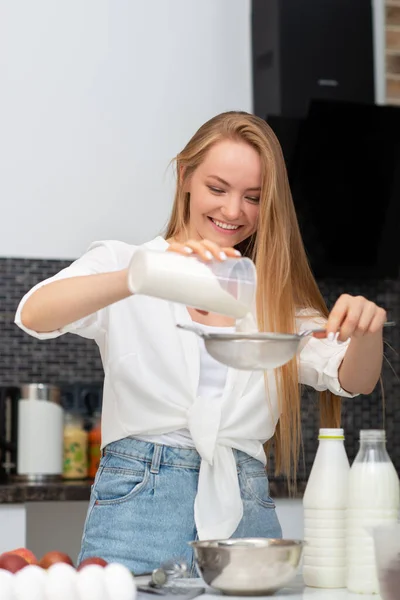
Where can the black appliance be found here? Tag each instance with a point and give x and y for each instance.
(308, 49)
(9, 397)
(343, 162)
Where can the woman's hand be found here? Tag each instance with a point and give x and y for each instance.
(205, 249)
(354, 316)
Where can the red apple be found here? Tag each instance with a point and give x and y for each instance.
(92, 560)
(26, 554)
(12, 562)
(53, 557)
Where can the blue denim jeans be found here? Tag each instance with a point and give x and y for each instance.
(141, 509)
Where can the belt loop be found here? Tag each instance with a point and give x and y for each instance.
(155, 461)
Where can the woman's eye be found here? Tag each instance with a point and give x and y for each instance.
(215, 190)
(253, 199)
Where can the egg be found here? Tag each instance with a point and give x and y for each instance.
(91, 584)
(6, 585)
(61, 582)
(29, 583)
(120, 582)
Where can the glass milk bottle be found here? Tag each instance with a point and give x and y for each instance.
(324, 505)
(373, 499)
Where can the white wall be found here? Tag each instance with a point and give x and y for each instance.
(96, 98)
(379, 41)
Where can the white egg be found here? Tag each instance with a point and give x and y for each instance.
(120, 582)
(29, 583)
(91, 584)
(6, 585)
(61, 582)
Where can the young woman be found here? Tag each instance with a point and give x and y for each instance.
(183, 436)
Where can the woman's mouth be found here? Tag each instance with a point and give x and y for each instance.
(223, 227)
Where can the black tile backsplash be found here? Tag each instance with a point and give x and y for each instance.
(72, 361)
(23, 359)
(381, 409)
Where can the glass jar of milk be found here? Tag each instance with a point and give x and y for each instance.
(373, 500)
(226, 287)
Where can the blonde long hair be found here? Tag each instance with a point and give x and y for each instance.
(284, 278)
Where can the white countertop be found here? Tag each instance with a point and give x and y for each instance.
(295, 591)
(298, 591)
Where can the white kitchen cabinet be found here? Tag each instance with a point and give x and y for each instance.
(12, 526)
(43, 526)
(58, 525)
(290, 515)
(63, 523)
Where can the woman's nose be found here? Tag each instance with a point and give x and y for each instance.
(232, 209)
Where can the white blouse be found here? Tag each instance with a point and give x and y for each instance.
(212, 379)
(151, 381)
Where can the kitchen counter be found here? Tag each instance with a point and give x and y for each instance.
(17, 492)
(295, 591)
(298, 591)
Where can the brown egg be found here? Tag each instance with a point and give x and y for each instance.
(53, 557)
(12, 562)
(92, 560)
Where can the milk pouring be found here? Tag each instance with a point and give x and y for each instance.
(373, 500)
(226, 287)
(324, 506)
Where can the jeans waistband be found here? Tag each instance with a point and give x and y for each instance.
(158, 454)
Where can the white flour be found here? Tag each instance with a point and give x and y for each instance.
(247, 324)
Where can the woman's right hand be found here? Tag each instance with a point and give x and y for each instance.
(205, 249)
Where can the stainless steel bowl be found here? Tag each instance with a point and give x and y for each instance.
(247, 566)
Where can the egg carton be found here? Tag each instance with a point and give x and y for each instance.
(63, 582)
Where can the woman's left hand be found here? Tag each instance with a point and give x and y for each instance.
(355, 316)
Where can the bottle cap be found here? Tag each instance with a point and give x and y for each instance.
(331, 434)
(373, 435)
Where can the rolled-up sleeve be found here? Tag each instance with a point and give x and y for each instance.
(319, 366)
(320, 360)
(99, 258)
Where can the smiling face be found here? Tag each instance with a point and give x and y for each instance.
(224, 194)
